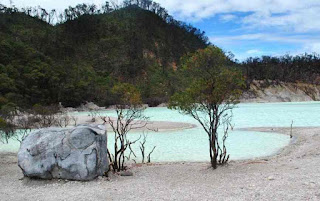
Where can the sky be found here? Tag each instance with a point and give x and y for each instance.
(247, 28)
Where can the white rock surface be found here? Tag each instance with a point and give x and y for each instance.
(75, 154)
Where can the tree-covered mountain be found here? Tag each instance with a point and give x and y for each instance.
(85, 53)
(78, 55)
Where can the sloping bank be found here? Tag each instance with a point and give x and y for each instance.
(272, 91)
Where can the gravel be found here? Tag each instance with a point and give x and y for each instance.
(293, 174)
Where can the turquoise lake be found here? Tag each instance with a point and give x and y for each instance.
(192, 144)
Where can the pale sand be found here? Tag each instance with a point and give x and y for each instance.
(139, 126)
(293, 174)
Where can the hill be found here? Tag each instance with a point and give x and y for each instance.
(81, 58)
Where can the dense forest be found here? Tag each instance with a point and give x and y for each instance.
(88, 50)
(78, 55)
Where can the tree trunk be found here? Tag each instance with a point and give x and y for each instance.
(213, 154)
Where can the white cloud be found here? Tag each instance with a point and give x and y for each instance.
(298, 21)
(295, 15)
(299, 38)
(228, 17)
(254, 51)
(250, 44)
(312, 47)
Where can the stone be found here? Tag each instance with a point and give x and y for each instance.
(126, 173)
(90, 106)
(78, 153)
(270, 178)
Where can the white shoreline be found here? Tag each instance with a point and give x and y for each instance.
(150, 125)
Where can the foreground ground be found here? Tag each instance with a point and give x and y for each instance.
(293, 174)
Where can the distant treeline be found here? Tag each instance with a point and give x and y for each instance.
(287, 68)
(78, 55)
(72, 13)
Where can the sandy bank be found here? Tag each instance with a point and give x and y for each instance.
(293, 174)
(138, 126)
(265, 92)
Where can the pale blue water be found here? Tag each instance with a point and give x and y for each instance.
(250, 114)
(192, 144)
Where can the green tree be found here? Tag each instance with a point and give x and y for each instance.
(212, 92)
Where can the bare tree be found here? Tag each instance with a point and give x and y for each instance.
(7, 130)
(45, 116)
(224, 156)
(63, 120)
(93, 114)
(127, 119)
(24, 122)
(7, 126)
(129, 116)
(18, 124)
(75, 120)
(291, 134)
(142, 149)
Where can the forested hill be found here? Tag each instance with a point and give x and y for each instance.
(82, 56)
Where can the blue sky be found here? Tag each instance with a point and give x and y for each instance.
(247, 28)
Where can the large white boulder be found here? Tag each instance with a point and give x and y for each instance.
(78, 153)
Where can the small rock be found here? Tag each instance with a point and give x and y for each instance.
(312, 185)
(126, 173)
(270, 178)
